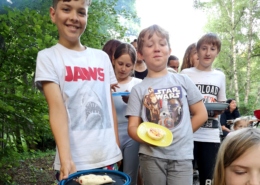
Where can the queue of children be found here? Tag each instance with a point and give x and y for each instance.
(94, 130)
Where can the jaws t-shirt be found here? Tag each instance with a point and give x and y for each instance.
(84, 78)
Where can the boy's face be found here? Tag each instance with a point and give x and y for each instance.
(155, 52)
(174, 64)
(207, 54)
(71, 19)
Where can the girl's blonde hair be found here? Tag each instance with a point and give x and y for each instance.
(232, 148)
(187, 59)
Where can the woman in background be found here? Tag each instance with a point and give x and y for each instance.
(230, 114)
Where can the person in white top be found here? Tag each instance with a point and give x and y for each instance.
(211, 84)
(76, 82)
(123, 60)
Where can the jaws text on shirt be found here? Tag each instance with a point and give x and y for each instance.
(81, 73)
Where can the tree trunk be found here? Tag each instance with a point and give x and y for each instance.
(33, 84)
(249, 51)
(257, 97)
(234, 51)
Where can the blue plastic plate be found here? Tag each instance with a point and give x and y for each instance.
(120, 177)
(120, 93)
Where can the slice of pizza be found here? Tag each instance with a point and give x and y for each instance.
(155, 133)
(92, 179)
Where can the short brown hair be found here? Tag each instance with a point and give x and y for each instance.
(234, 146)
(210, 38)
(55, 2)
(151, 30)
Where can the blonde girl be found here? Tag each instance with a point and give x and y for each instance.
(238, 161)
(240, 123)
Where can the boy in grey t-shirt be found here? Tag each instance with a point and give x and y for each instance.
(165, 99)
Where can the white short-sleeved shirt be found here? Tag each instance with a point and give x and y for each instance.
(84, 78)
(212, 85)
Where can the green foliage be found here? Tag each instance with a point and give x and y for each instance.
(219, 21)
(127, 10)
(21, 107)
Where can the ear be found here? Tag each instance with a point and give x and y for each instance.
(170, 51)
(139, 55)
(52, 14)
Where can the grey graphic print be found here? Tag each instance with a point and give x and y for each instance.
(90, 113)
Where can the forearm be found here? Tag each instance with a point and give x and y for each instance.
(115, 122)
(60, 130)
(133, 124)
(200, 115)
(58, 119)
(225, 128)
(132, 132)
(197, 121)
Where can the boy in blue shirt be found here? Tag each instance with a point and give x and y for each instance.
(76, 82)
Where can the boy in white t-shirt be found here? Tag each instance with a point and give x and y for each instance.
(211, 84)
(76, 82)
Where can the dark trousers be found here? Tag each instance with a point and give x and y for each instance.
(205, 156)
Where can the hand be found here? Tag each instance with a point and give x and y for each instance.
(125, 98)
(218, 112)
(113, 87)
(227, 130)
(66, 169)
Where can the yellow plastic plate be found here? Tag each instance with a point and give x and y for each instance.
(165, 141)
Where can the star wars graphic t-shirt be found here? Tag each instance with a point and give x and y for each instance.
(165, 101)
(211, 84)
(84, 78)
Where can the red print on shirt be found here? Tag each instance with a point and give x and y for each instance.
(81, 73)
